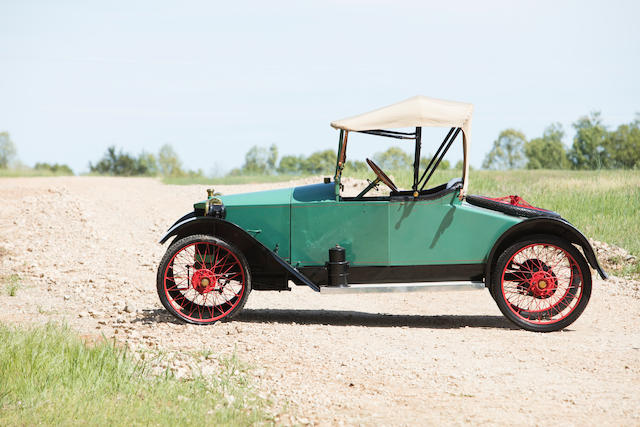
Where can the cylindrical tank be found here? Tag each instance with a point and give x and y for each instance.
(337, 267)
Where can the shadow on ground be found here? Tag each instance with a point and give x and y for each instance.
(347, 318)
(359, 318)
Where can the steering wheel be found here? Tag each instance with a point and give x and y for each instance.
(381, 175)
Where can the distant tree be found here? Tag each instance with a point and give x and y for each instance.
(623, 145)
(424, 162)
(7, 150)
(460, 164)
(118, 163)
(272, 159)
(320, 162)
(147, 163)
(507, 151)
(260, 160)
(589, 149)
(291, 165)
(356, 167)
(394, 158)
(547, 152)
(114, 163)
(54, 168)
(199, 173)
(169, 163)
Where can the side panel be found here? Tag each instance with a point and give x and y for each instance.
(443, 231)
(265, 216)
(359, 227)
(268, 224)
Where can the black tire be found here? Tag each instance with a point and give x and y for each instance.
(536, 294)
(508, 209)
(220, 273)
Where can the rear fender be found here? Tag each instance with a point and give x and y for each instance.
(543, 225)
(269, 270)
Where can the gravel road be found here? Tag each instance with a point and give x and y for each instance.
(86, 250)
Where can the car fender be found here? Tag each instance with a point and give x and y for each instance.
(254, 251)
(543, 225)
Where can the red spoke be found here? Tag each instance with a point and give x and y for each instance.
(542, 285)
(196, 299)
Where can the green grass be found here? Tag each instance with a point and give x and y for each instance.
(49, 376)
(12, 284)
(231, 180)
(28, 172)
(604, 205)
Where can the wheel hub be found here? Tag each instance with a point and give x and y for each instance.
(204, 281)
(542, 284)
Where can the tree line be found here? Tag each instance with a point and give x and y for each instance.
(264, 161)
(165, 163)
(593, 147)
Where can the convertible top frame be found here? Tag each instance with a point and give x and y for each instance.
(414, 136)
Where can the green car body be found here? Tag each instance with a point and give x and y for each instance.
(300, 224)
(432, 238)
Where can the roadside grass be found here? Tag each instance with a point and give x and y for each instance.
(11, 284)
(231, 180)
(604, 205)
(48, 375)
(28, 172)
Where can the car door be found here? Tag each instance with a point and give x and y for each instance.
(319, 222)
(420, 231)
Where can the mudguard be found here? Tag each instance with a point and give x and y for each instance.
(268, 262)
(543, 225)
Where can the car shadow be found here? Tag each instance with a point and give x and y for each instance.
(359, 318)
(347, 318)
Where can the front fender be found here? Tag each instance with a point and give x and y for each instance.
(256, 253)
(176, 225)
(543, 225)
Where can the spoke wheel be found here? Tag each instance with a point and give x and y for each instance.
(542, 284)
(202, 279)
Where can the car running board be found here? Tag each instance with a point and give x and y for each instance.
(403, 287)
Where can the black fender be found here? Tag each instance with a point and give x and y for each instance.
(543, 225)
(269, 270)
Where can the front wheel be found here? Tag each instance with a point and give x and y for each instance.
(541, 283)
(202, 279)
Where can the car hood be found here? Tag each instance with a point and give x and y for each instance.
(282, 196)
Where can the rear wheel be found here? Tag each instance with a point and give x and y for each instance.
(542, 283)
(202, 279)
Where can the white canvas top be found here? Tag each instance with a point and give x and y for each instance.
(418, 111)
(413, 112)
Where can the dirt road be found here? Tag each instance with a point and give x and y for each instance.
(86, 250)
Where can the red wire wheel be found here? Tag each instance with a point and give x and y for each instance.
(542, 283)
(202, 279)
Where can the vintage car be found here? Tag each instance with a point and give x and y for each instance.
(534, 263)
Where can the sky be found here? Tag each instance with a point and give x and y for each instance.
(216, 78)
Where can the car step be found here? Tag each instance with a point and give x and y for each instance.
(402, 287)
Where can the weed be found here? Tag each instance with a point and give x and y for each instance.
(12, 284)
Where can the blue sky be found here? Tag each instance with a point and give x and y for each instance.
(215, 78)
